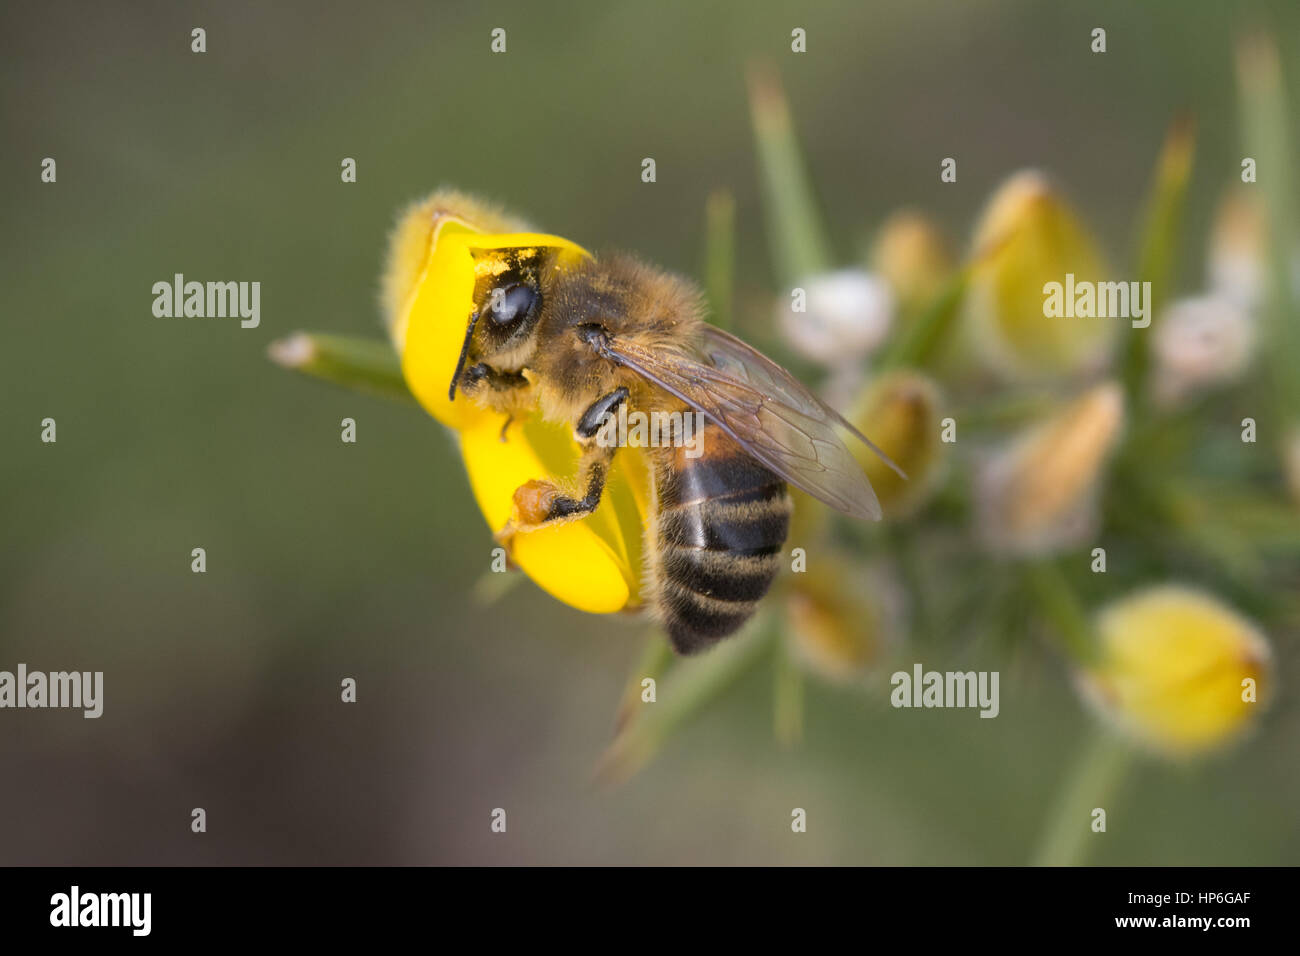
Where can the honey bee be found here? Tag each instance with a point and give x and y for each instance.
(576, 341)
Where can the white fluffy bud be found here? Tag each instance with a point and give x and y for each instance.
(847, 315)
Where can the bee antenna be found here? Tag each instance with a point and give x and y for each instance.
(460, 362)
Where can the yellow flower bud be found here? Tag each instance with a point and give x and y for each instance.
(1028, 236)
(1178, 670)
(900, 411)
(840, 623)
(1236, 258)
(1038, 494)
(913, 256)
(593, 564)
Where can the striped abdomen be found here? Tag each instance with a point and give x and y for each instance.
(721, 521)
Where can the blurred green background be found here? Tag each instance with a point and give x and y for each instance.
(328, 560)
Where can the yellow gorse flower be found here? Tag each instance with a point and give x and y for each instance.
(841, 623)
(1237, 259)
(1037, 494)
(428, 297)
(912, 255)
(1027, 237)
(901, 410)
(1178, 670)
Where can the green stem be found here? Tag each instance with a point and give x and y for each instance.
(1092, 783)
(1009, 410)
(364, 365)
(922, 337)
(492, 586)
(1062, 607)
(1158, 246)
(693, 684)
(720, 255)
(911, 567)
(794, 225)
(1266, 140)
(653, 663)
(1163, 503)
(788, 698)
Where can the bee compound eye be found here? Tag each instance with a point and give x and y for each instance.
(511, 303)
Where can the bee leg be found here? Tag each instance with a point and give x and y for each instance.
(483, 374)
(596, 468)
(540, 503)
(597, 414)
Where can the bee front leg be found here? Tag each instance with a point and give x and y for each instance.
(539, 503)
(483, 376)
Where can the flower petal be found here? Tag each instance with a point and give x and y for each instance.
(593, 564)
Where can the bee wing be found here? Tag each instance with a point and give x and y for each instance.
(728, 352)
(775, 419)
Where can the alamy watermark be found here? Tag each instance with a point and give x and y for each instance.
(638, 429)
(74, 689)
(75, 908)
(1099, 300)
(923, 688)
(208, 300)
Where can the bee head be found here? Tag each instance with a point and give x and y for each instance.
(511, 284)
(468, 295)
